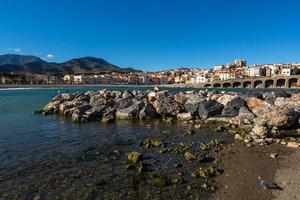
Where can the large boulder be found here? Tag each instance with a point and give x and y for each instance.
(244, 117)
(78, 114)
(66, 105)
(131, 112)
(271, 97)
(225, 98)
(254, 103)
(209, 108)
(281, 117)
(124, 102)
(68, 96)
(127, 94)
(83, 98)
(108, 115)
(231, 109)
(191, 104)
(185, 116)
(168, 106)
(288, 102)
(51, 107)
(180, 97)
(148, 112)
(95, 113)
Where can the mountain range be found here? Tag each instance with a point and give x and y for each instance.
(32, 64)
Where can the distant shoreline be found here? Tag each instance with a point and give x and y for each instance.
(7, 86)
(88, 85)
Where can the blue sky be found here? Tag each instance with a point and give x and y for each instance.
(153, 34)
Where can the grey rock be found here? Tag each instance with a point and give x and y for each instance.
(209, 108)
(148, 112)
(131, 112)
(232, 108)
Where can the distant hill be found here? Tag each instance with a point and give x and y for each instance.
(33, 64)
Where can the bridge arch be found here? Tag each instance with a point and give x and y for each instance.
(258, 84)
(269, 83)
(227, 85)
(207, 85)
(217, 85)
(236, 84)
(247, 84)
(280, 82)
(293, 82)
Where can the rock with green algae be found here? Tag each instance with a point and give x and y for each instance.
(194, 175)
(159, 182)
(169, 120)
(189, 156)
(134, 156)
(209, 172)
(203, 173)
(238, 137)
(213, 144)
(152, 142)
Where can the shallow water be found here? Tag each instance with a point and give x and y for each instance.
(48, 157)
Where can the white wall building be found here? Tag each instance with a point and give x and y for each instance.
(286, 72)
(224, 76)
(255, 71)
(82, 79)
(218, 67)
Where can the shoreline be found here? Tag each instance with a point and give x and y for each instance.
(87, 85)
(100, 86)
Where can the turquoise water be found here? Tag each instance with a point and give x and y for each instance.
(50, 157)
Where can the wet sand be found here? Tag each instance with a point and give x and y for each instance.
(243, 165)
(288, 176)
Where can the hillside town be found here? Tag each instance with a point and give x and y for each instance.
(235, 70)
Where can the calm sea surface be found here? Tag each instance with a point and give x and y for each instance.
(49, 157)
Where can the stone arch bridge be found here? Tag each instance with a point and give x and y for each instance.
(263, 82)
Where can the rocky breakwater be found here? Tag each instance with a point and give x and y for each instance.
(264, 117)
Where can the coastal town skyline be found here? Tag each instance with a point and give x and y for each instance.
(151, 35)
(20, 69)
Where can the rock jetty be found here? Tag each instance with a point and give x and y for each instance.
(264, 114)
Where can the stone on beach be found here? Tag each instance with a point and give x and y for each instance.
(185, 116)
(209, 108)
(231, 109)
(293, 144)
(281, 117)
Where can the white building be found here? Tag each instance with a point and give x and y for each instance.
(255, 71)
(82, 79)
(68, 79)
(286, 72)
(224, 76)
(202, 78)
(218, 67)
